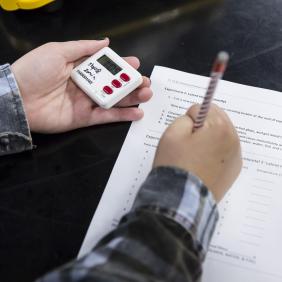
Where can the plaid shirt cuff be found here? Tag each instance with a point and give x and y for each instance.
(181, 196)
(14, 130)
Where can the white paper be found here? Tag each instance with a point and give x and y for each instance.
(246, 245)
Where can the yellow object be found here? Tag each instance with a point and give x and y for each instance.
(11, 5)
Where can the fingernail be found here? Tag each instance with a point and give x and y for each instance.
(140, 113)
(102, 38)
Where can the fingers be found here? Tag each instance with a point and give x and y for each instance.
(100, 116)
(193, 111)
(146, 82)
(142, 94)
(133, 61)
(74, 50)
(136, 97)
(214, 113)
(79, 61)
(182, 126)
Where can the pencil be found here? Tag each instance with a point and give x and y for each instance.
(217, 72)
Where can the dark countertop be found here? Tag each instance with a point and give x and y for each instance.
(48, 196)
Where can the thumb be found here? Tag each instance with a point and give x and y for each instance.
(182, 126)
(193, 111)
(74, 50)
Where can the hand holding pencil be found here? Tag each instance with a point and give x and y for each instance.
(212, 153)
(217, 72)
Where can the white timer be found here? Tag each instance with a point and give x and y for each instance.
(106, 77)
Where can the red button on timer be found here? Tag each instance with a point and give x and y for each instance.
(116, 83)
(124, 77)
(108, 90)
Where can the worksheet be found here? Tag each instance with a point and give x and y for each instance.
(247, 243)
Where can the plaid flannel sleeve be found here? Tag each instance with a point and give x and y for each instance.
(164, 238)
(14, 130)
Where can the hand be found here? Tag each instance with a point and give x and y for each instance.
(53, 103)
(212, 152)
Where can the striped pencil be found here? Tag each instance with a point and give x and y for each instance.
(217, 72)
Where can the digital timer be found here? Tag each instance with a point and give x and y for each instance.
(106, 77)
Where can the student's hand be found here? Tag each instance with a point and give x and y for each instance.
(53, 103)
(212, 152)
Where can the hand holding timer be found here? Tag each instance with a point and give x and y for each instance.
(106, 77)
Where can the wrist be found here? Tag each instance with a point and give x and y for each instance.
(22, 93)
(182, 197)
(14, 129)
(190, 168)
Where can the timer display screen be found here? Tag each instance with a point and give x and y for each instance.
(111, 66)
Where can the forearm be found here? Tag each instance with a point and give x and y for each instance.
(14, 130)
(164, 238)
